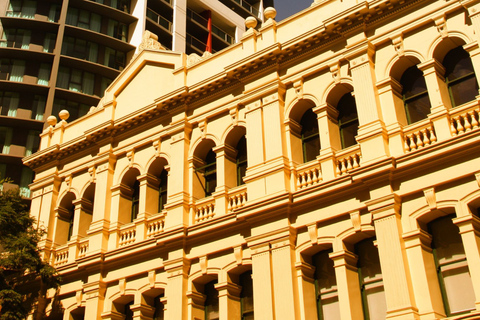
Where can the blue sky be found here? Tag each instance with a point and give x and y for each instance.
(286, 8)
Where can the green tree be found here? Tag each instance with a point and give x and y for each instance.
(24, 276)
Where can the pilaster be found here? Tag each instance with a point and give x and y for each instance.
(262, 281)
(177, 278)
(393, 258)
(95, 296)
(229, 300)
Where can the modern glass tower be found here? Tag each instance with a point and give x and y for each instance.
(63, 54)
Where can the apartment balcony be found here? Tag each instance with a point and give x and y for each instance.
(29, 23)
(97, 37)
(89, 66)
(121, 14)
(217, 32)
(243, 8)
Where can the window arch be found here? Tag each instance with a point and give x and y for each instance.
(205, 169)
(162, 190)
(66, 219)
(129, 206)
(415, 95)
(211, 301)
(310, 136)
(157, 186)
(241, 160)
(460, 76)
(347, 120)
(452, 269)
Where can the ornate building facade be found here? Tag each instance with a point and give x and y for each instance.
(61, 54)
(324, 167)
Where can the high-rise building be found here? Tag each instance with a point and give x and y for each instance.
(58, 55)
(325, 167)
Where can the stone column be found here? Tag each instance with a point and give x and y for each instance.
(148, 204)
(329, 139)
(393, 258)
(176, 291)
(229, 300)
(439, 97)
(285, 288)
(306, 291)
(141, 311)
(348, 284)
(372, 135)
(389, 94)
(474, 51)
(263, 302)
(95, 297)
(226, 171)
(424, 278)
(470, 231)
(102, 174)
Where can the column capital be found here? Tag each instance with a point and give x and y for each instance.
(385, 206)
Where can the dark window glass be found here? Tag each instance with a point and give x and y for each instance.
(71, 212)
(135, 199)
(415, 95)
(162, 190)
(241, 160)
(246, 295)
(209, 171)
(310, 137)
(158, 305)
(347, 120)
(460, 76)
(211, 301)
(128, 312)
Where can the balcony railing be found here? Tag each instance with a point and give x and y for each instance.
(308, 174)
(237, 198)
(128, 234)
(160, 20)
(155, 225)
(215, 30)
(419, 135)
(244, 4)
(465, 118)
(61, 256)
(204, 210)
(348, 159)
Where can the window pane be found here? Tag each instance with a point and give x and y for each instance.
(464, 91)
(418, 108)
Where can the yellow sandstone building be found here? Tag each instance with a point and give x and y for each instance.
(325, 167)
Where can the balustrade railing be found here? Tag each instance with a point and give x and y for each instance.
(127, 235)
(308, 174)
(348, 159)
(237, 198)
(464, 119)
(204, 210)
(155, 225)
(83, 248)
(419, 136)
(61, 256)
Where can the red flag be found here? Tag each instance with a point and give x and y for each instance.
(209, 27)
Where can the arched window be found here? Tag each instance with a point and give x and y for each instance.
(71, 211)
(162, 190)
(211, 301)
(310, 137)
(371, 280)
(460, 76)
(325, 286)
(207, 173)
(452, 269)
(246, 295)
(415, 95)
(347, 120)
(241, 160)
(135, 200)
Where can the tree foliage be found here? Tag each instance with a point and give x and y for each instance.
(24, 276)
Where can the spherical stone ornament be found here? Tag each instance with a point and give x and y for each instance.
(64, 114)
(250, 22)
(52, 121)
(270, 13)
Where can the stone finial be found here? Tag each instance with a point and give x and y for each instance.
(52, 121)
(64, 115)
(250, 22)
(270, 13)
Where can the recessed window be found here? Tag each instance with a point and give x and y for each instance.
(241, 160)
(460, 76)
(415, 95)
(347, 120)
(310, 136)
